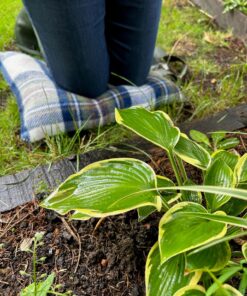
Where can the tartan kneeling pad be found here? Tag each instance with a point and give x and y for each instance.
(46, 109)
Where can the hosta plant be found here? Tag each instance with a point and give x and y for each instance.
(192, 255)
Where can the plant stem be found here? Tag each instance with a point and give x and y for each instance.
(165, 205)
(182, 169)
(56, 293)
(219, 284)
(175, 168)
(243, 283)
(34, 266)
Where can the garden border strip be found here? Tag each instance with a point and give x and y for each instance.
(22, 187)
(233, 19)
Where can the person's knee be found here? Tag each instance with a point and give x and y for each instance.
(90, 84)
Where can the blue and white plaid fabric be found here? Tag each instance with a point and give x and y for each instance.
(46, 109)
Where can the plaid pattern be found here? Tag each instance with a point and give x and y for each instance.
(46, 109)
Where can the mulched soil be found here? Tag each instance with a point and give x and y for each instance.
(109, 260)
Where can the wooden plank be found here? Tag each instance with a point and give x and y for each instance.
(22, 187)
(229, 120)
(235, 20)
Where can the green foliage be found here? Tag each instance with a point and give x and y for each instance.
(235, 4)
(45, 284)
(192, 236)
(217, 141)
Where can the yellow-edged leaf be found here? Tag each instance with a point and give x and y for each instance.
(105, 188)
(180, 231)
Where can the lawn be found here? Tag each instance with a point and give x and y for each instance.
(217, 80)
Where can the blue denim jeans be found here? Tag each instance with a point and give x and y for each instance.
(90, 43)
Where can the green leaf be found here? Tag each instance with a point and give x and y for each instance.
(42, 288)
(191, 195)
(241, 169)
(207, 148)
(214, 258)
(234, 207)
(192, 153)
(227, 273)
(105, 188)
(219, 174)
(191, 291)
(144, 212)
(165, 182)
(164, 279)
(231, 159)
(218, 136)
(79, 216)
(243, 283)
(218, 241)
(179, 232)
(227, 290)
(228, 143)
(244, 250)
(233, 192)
(220, 217)
(155, 127)
(199, 137)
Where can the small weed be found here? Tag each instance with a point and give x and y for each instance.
(43, 284)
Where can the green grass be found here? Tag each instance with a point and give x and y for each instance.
(213, 86)
(184, 31)
(8, 11)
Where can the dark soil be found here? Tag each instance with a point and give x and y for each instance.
(111, 261)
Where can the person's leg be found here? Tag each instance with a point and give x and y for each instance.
(131, 30)
(72, 33)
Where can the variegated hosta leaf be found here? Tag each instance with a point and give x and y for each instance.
(191, 195)
(191, 291)
(180, 232)
(231, 159)
(234, 207)
(214, 258)
(240, 194)
(218, 136)
(79, 216)
(227, 290)
(164, 279)
(105, 188)
(192, 153)
(144, 212)
(155, 127)
(199, 137)
(228, 143)
(244, 250)
(219, 174)
(241, 171)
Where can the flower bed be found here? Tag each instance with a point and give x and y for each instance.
(108, 258)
